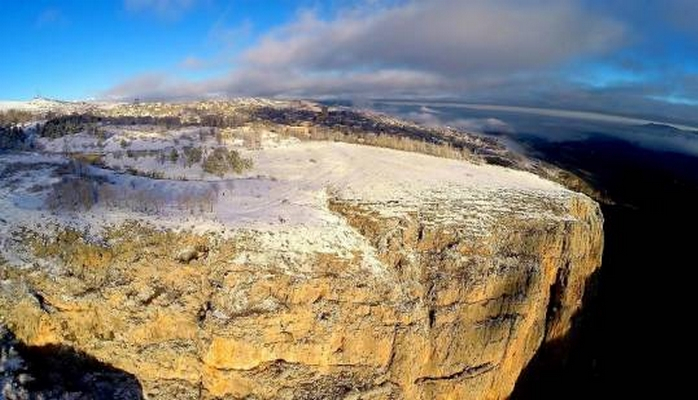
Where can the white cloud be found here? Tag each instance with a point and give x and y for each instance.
(229, 36)
(683, 14)
(414, 48)
(50, 17)
(482, 125)
(193, 63)
(155, 86)
(249, 82)
(452, 37)
(162, 8)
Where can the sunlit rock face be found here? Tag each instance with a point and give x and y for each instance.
(328, 270)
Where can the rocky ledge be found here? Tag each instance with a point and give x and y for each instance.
(330, 271)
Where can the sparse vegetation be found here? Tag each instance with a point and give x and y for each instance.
(174, 155)
(192, 155)
(136, 154)
(11, 137)
(307, 123)
(69, 125)
(88, 158)
(441, 149)
(14, 117)
(145, 174)
(222, 161)
(326, 124)
(251, 139)
(219, 136)
(74, 193)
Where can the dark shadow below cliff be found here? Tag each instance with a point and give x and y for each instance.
(59, 371)
(627, 330)
(558, 363)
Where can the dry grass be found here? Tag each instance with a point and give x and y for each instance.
(443, 150)
(13, 117)
(88, 158)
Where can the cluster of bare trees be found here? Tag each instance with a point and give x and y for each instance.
(152, 201)
(222, 121)
(80, 191)
(15, 117)
(440, 149)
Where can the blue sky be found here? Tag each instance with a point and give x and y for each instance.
(629, 57)
(72, 49)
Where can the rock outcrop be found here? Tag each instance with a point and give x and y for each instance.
(445, 286)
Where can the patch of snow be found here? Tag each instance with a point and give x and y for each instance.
(282, 203)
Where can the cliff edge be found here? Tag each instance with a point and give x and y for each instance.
(328, 270)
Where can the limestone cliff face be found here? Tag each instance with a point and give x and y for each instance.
(480, 308)
(441, 292)
(452, 317)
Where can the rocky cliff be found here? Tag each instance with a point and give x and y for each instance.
(378, 275)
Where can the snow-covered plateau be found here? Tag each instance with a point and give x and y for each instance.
(282, 250)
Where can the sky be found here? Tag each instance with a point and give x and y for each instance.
(637, 58)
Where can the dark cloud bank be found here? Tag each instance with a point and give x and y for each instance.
(523, 52)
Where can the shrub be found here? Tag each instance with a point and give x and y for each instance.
(145, 174)
(88, 158)
(192, 155)
(174, 155)
(12, 137)
(222, 161)
(77, 192)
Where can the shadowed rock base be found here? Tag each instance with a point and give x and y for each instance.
(59, 372)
